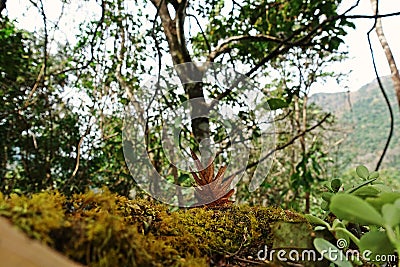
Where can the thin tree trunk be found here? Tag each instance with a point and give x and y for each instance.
(304, 148)
(388, 52)
(174, 33)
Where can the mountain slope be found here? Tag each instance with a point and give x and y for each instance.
(364, 123)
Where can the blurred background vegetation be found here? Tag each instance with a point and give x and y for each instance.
(63, 101)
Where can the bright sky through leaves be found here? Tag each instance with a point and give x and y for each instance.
(359, 62)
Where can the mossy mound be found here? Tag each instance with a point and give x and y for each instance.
(104, 229)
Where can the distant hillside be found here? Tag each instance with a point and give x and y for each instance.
(363, 119)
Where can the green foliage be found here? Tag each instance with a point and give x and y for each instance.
(354, 209)
(366, 187)
(42, 132)
(363, 115)
(105, 229)
(338, 259)
(52, 140)
(13, 55)
(294, 20)
(363, 205)
(35, 151)
(277, 103)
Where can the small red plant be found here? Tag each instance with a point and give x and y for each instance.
(210, 189)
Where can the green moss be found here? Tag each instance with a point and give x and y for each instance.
(104, 229)
(37, 215)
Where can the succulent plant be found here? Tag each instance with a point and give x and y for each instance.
(210, 189)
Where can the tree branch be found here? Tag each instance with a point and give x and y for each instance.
(202, 32)
(118, 73)
(173, 30)
(224, 46)
(91, 43)
(78, 155)
(382, 90)
(283, 47)
(377, 16)
(290, 142)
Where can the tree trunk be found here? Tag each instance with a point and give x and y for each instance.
(174, 33)
(2, 6)
(388, 52)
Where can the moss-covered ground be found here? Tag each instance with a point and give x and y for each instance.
(104, 229)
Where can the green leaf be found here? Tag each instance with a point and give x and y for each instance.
(325, 205)
(362, 171)
(183, 177)
(277, 103)
(354, 209)
(382, 187)
(182, 98)
(383, 198)
(373, 175)
(325, 247)
(336, 184)
(327, 196)
(366, 191)
(338, 224)
(377, 243)
(315, 220)
(341, 233)
(397, 203)
(391, 214)
(352, 189)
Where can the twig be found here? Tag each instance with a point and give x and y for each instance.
(224, 46)
(290, 142)
(91, 43)
(78, 154)
(376, 16)
(120, 78)
(202, 32)
(282, 47)
(250, 261)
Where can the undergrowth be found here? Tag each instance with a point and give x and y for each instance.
(104, 229)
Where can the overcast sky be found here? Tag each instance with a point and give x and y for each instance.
(356, 41)
(360, 61)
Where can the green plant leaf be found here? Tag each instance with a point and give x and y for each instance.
(336, 184)
(377, 243)
(338, 224)
(354, 209)
(183, 177)
(397, 203)
(327, 196)
(366, 191)
(324, 247)
(325, 205)
(373, 175)
(382, 199)
(362, 171)
(277, 103)
(382, 188)
(354, 188)
(391, 214)
(315, 220)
